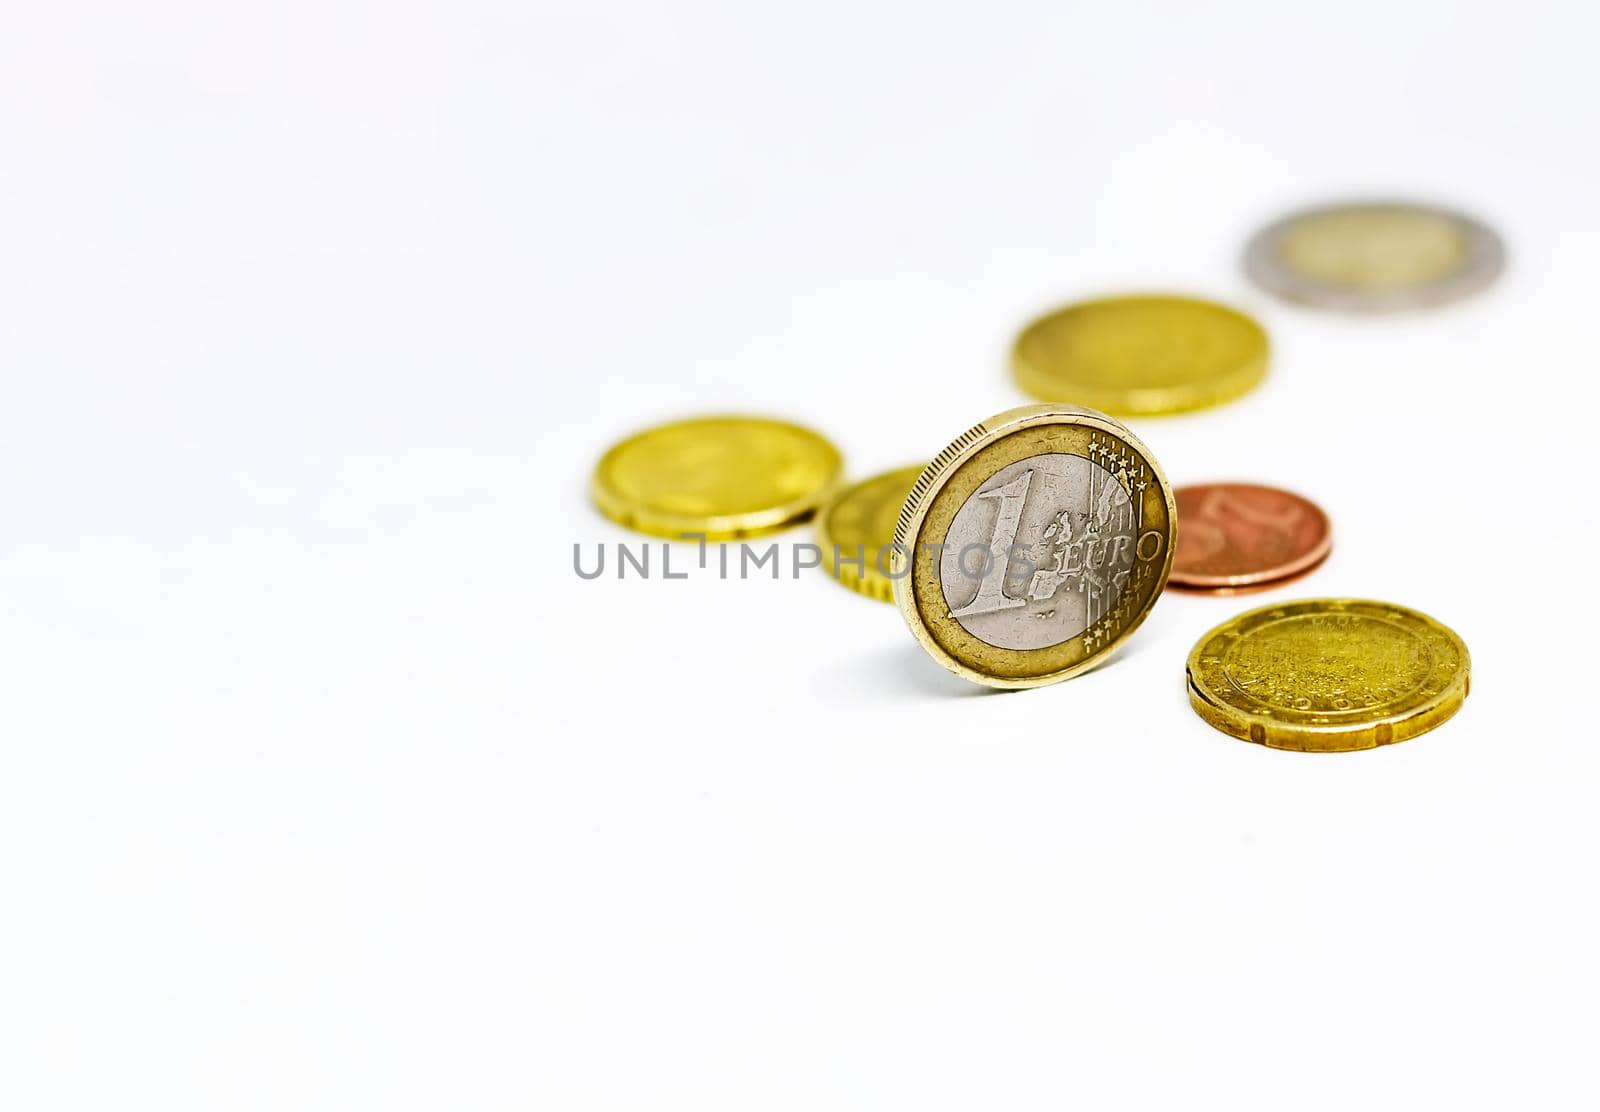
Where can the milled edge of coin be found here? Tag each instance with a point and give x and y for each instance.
(946, 465)
(626, 512)
(1390, 729)
(1144, 401)
(1250, 581)
(1485, 261)
(868, 580)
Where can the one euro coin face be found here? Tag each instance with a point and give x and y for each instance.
(1033, 545)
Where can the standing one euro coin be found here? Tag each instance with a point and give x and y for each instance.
(1328, 675)
(1033, 545)
(720, 477)
(855, 530)
(1374, 256)
(1141, 355)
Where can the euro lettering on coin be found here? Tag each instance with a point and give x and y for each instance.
(1239, 536)
(1328, 675)
(1033, 545)
(1375, 256)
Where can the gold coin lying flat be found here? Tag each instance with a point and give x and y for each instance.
(722, 477)
(1375, 256)
(1328, 675)
(1141, 355)
(855, 530)
(1033, 545)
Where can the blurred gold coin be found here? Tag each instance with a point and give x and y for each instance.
(1033, 545)
(1143, 354)
(1328, 675)
(856, 526)
(724, 477)
(1375, 256)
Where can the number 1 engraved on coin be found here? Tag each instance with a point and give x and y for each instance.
(1074, 523)
(1077, 550)
(991, 595)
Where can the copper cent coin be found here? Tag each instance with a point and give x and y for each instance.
(1233, 536)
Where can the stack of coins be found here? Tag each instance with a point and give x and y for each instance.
(1038, 540)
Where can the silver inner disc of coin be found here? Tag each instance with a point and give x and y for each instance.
(1479, 257)
(1038, 553)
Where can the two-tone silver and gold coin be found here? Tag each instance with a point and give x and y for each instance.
(1374, 256)
(1033, 545)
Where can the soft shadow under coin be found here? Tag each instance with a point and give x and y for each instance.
(904, 670)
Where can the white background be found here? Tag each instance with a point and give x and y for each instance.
(327, 784)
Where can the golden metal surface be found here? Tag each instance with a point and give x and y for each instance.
(859, 521)
(960, 482)
(1143, 354)
(725, 477)
(1328, 675)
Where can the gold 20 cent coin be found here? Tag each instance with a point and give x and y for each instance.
(1033, 545)
(855, 530)
(1328, 675)
(718, 476)
(1141, 355)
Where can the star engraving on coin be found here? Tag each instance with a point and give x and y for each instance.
(1377, 664)
(1033, 545)
(1040, 552)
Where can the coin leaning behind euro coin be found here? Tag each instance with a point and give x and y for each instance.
(855, 529)
(1374, 256)
(1328, 675)
(1033, 545)
(1240, 536)
(716, 477)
